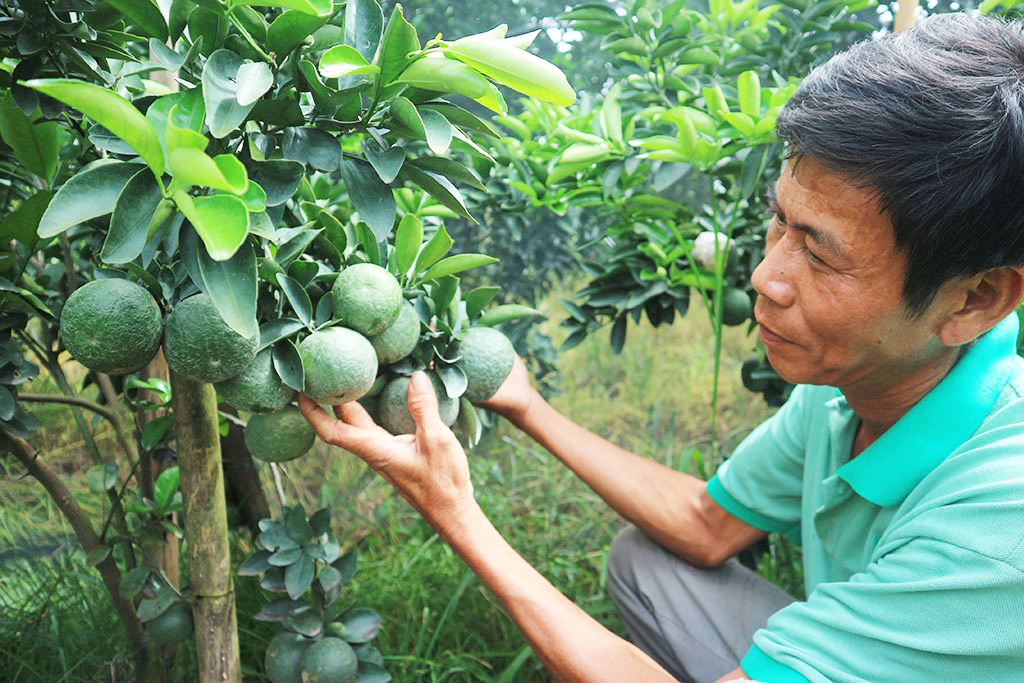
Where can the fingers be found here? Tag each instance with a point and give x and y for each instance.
(355, 414)
(422, 402)
(350, 437)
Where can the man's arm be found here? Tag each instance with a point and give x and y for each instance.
(431, 471)
(672, 507)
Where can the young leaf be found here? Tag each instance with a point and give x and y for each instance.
(253, 80)
(436, 247)
(515, 68)
(437, 131)
(457, 264)
(344, 60)
(111, 111)
(408, 239)
(477, 300)
(748, 87)
(444, 75)
(506, 313)
(154, 431)
(319, 8)
(222, 221)
(129, 224)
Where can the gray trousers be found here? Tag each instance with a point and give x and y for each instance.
(697, 623)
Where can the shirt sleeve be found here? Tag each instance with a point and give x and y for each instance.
(762, 482)
(927, 611)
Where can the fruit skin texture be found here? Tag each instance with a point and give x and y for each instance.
(330, 660)
(112, 326)
(339, 364)
(201, 346)
(279, 436)
(393, 407)
(171, 627)
(398, 341)
(283, 655)
(367, 298)
(486, 358)
(257, 389)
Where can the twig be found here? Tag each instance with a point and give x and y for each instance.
(278, 484)
(73, 401)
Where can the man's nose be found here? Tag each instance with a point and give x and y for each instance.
(770, 278)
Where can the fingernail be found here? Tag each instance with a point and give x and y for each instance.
(419, 381)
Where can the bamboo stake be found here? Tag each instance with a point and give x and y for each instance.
(206, 530)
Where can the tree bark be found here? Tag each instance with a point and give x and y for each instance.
(206, 530)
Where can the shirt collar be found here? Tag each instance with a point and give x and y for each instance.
(889, 469)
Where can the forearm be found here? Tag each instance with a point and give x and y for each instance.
(667, 504)
(570, 643)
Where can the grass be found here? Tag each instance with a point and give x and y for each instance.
(440, 624)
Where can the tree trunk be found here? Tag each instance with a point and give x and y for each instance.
(206, 530)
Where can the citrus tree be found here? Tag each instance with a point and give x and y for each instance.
(260, 190)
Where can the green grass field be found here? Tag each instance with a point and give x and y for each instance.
(439, 623)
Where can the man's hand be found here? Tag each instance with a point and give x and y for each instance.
(515, 396)
(429, 468)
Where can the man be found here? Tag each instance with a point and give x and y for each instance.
(893, 267)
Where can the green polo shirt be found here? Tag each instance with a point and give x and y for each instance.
(914, 550)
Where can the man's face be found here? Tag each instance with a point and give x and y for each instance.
(830, 286)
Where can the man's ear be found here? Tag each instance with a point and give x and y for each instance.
(981, 302)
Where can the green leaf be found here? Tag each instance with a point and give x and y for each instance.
(154, 431)
(191, 166)
(361, 625)
(372, 198)
(165, 486)
(133, 581)
(253, 80)
(22, 224)
(345, 60)
(145, 15)
(493, 100)
(298, 577)
(406, 114)
(224, 114)
(276, 330)
(445, 76)
(515, 68)
(288, 30)
(35, 145)
(279, 178)
(437, 130)
(457, 264)
(312, 146)
(222, 221)
(320, 8)
(231, 284)
(102, 477)
(460, 117)
(90, 193)
(387, 163)
(618, 334)
(165, 56)
(399, 41)
(297, 297)
(408, 239)
(111, 111)
(129, 224)
(436, 247)
(364, 24)
(288, 364)
(477, 300)
(451, 169)
(440, 188)
(748, 87)
(506, 313)
(255, 564)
